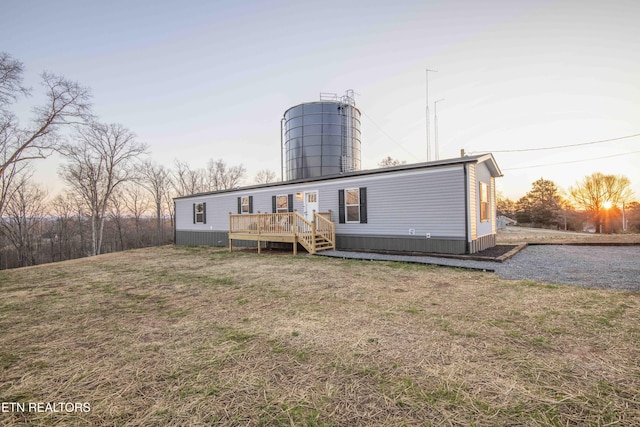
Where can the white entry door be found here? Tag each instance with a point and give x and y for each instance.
(310, 204)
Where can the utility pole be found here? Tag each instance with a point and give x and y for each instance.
(282, 121)
(428, 137)
(435, 124)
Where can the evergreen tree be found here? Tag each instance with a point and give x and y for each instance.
(541, 206)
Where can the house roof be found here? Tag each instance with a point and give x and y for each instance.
(480, 158)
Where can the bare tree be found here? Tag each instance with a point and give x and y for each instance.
(67, 103)
(25, 211)
(10, 79)
(390, 161)
(187, 181)
(217, 176)
(66, 229)
(101, 161)
(170, 206)
(222, 177)
(265, 176)
(137, 204)
(116, 213)
(597, 190)
(156, 179)
(7, 186)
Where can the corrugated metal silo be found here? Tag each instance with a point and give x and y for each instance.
(322, 138)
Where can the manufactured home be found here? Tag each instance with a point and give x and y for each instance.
(445, 206)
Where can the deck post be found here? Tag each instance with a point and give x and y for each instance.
(230, 230)
(294, 229)
(313, 233)
(259, 228)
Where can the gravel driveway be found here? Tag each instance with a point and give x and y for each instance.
(614, 267)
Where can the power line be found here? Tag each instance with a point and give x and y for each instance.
(560, 146)
(572, 161)
(388, 136)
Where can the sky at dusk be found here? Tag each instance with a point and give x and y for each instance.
(199, 80)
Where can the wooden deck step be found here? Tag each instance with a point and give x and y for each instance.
(288, 227)
(322, 244)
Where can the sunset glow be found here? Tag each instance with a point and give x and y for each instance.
(551, 88)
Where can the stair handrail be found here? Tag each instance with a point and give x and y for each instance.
(325, 228)
(304, 231)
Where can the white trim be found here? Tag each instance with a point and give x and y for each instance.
(286, 208)
(317, 203)
(346, 206)
(199, 214)
(242, 205)
(487, 210)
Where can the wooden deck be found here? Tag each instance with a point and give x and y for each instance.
(290, 227)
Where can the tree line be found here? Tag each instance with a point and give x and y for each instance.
(116, 198)
(598, 203)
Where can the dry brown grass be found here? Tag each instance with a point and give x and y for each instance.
(537, 235)
(199, 336)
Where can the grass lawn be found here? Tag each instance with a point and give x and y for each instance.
(200, 336)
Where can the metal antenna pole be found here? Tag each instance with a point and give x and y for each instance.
(282, 149)
(428, 136)
(435, 124)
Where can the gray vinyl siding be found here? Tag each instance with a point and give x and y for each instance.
(426, 201)
(219, 206)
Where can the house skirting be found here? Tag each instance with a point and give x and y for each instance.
(205, 238)
(482, 243)
(447, 245)
(400, 244)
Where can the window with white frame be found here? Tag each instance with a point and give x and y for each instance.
(199, 213)
(484, 202)
(282, 204)
(352, 204)
(245, 205)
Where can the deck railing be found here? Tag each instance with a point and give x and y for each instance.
(285, 224)
(325, 228)
(305, 232)
(262, 223)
